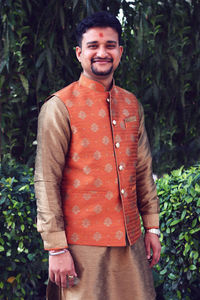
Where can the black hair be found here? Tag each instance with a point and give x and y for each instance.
(98, 19)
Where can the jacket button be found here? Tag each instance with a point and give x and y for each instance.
(114, 122)
(122, 191)
(117, 145)
(108, 100)
(121, 167)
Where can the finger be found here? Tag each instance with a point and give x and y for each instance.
(51, 276)
(148, 250)
(57, 279)
(153, 262)
(155, 259)
(64, 281)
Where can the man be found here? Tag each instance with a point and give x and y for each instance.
(93, 178)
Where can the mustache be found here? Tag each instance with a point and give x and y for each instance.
(101, 59)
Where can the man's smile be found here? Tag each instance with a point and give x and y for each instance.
(101, 60)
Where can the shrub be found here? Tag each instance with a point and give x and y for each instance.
(22, 258)
(23, 275)
(179, 268)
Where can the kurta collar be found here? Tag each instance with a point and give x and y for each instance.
(93, 85)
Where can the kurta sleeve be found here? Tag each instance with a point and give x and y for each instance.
(52, 145)
(148, 202)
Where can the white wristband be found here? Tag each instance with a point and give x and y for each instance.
(52, 253)
(154, 230)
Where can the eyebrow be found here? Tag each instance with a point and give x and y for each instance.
(96, 42)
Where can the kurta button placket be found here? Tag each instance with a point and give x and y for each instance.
(117, 145)
(121, 167)
(114, 122)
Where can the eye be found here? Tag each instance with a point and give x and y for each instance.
(92, 46)
(111, 46)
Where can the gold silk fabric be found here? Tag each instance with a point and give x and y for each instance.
(93, 168)
(110, 273)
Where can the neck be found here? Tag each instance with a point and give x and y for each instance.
(106, 82)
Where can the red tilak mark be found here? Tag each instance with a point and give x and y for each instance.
(101, 34)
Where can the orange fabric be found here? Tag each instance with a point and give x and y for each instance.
(99, 180)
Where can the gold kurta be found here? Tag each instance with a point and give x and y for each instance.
(108, 273)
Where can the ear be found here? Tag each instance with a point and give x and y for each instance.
(78, 53)
(121, 49)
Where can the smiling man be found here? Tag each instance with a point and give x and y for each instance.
(93, 179)
(99, 53)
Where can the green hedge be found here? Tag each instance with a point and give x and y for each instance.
(179, 268)
(23, 262)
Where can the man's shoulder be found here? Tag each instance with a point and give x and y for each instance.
(125, 92)
(129, 95)
(71, 88)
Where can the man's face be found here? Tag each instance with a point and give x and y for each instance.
(100, 52)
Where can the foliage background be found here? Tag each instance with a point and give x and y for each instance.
(24, 262)
(178, 272)
(161, 65)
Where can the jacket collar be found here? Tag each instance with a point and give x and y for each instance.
(94, 85)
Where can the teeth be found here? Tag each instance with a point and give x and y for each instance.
(101, 60)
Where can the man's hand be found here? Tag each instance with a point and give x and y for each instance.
(152, 243)
(61, 266)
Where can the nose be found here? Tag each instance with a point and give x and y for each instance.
(102, 52)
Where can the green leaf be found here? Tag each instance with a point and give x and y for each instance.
(174, 65)
(40, 59)
(24, 83)
(197, 187)
(75, 2)
(192, 267)
(187, 247)
(192, 231)
(177, 173)
(39, 78)
(192, 192)
(175, 222)
(172, 276)
(22, 188)
(183, 214)
(179, 294)
(1, 248)
(62, 18)
(164, 271)
(1, 285)
(194, 223)
(188, 199)
(2, 80)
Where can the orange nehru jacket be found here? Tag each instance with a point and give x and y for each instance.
(99, 179)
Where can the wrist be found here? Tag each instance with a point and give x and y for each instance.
(57, 252)
(154, 231)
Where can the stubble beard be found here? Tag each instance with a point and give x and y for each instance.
(101, 73)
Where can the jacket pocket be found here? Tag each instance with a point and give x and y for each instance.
(130, 121)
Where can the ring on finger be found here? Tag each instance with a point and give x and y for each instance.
(70, 277)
